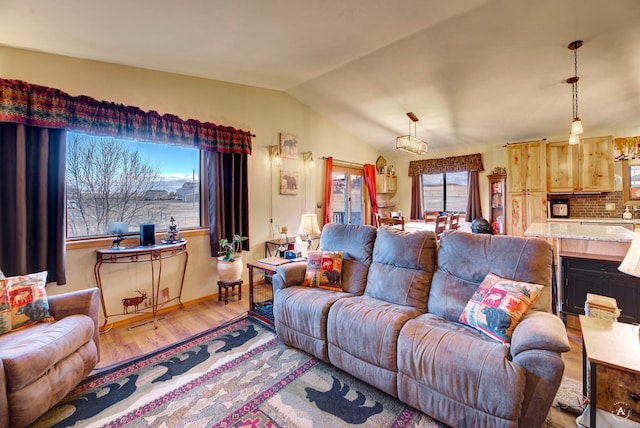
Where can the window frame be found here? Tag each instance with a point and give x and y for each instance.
(203, 211)
(444, 207)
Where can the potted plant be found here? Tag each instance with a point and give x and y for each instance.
(229, 259)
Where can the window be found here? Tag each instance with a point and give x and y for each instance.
(115, 180)
(446, 191)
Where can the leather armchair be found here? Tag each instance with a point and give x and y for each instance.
(41, 364)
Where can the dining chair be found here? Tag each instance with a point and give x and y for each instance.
(390, 221)
(453, 221)
(430, 216)
(441, 225)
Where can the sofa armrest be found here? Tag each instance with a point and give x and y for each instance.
(85, 302)
(539, 330)
(288, 275)
(4, 400)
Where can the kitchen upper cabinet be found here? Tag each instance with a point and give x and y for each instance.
(527, 186)
(562, 171)
(526, 167)
(584, 167)
(596, 165)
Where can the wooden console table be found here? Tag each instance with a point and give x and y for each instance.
(612, 350)
(150, 254)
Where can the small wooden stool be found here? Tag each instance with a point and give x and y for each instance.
(226, 285)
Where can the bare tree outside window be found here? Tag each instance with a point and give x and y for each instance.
(111, 180)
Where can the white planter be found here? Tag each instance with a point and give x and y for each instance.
(230, 271)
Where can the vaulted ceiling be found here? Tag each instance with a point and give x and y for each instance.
(475, 72)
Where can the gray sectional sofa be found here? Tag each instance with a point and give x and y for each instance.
(395, 325)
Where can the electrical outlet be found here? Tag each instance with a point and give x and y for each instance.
(610, 206)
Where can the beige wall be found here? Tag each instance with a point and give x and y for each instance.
(265, 113)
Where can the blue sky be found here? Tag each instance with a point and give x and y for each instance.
(174, 159)
(176, 162)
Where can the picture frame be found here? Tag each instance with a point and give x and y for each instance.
(288, 146)
(289, 180)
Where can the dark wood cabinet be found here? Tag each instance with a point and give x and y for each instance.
(582, 276)
(498, 202)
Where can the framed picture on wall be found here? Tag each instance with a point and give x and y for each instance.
(288, 182)
(288, 146)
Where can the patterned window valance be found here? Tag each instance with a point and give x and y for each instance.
(29, 104)
(451, 164)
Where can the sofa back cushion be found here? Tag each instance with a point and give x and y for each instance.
(402, 268)
(464, 260)
(356, 243)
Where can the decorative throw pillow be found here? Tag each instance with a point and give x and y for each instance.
(27, 298)
(5, 308)
(498, 305)
(324, 270)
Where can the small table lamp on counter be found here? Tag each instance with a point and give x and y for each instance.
(309, 227)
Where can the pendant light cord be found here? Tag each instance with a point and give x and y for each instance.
(575, 85)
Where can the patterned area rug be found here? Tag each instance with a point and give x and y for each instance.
(240, 375)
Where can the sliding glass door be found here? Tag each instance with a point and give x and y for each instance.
(349, 197)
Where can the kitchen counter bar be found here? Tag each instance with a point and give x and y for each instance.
(630, 224)
(589, 232)
(593, 241)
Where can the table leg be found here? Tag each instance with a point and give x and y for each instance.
(157, 291)
(250, 288)
(592, 396)
(96, 273)
(585, 391)
(184, 270)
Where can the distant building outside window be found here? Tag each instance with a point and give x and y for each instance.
(115, 180)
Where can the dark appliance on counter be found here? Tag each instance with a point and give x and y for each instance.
(559, 208)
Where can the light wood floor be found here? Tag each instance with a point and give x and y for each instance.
(125, 342)
(128, 341)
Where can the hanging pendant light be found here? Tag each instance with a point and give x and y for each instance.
(576, 124)
(410, 143)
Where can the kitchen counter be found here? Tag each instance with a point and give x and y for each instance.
(579, 231)
(629, 224)
(587, 241)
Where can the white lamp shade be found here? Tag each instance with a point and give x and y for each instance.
(574, 139)
(309, 225)
(576, 126)
(631, 263)
(117, 227)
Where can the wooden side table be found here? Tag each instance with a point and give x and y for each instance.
(226, 285)
(612, 350)
(261, 291)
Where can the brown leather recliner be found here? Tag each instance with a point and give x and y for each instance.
(41, 364)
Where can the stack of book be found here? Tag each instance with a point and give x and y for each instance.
(601, 307)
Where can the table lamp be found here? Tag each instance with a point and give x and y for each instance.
(309, 226)
(117, 228)
(631, 263)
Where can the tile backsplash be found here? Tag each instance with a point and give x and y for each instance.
(593, 206)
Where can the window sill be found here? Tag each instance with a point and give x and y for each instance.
(101, 242)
